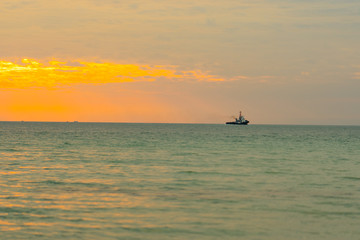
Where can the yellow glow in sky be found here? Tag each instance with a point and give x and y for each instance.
(32, 73)
(57, 90)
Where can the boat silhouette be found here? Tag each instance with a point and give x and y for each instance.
(239, 121)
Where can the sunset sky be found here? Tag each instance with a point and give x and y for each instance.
(280, 62)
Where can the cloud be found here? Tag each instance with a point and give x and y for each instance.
(32, 73)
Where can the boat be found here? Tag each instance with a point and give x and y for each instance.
(239, 121)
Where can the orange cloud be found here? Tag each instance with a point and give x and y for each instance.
(32, 73)
(356, 75)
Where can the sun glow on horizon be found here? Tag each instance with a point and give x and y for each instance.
(58, 90)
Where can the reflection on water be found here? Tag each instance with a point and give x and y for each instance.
(168, 181)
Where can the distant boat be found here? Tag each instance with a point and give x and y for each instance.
(239, 121)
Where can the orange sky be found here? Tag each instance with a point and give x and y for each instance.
(79, 90)
(280, 62)
(103, 91)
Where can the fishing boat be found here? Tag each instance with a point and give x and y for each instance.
(239, 121)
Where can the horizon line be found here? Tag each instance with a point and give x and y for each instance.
(272, 124)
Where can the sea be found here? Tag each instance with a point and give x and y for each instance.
(80, 180)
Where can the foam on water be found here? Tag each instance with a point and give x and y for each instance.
(178, 181)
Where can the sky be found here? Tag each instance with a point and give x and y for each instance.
(279, 62)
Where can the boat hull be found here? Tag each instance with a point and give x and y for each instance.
(237, 123)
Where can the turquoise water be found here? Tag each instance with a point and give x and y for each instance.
(178, 181)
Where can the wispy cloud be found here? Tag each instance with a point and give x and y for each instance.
(32, 73)
(356, 75)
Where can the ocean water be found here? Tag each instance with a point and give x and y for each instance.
(178, 181)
